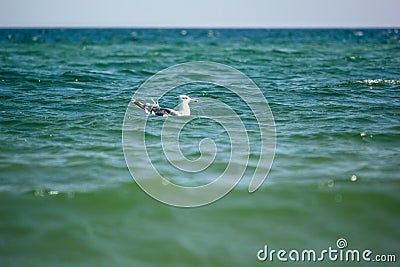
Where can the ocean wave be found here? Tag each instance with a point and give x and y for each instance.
(365, 82)
(378, 82)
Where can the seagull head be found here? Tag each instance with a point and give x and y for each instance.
(186, 99)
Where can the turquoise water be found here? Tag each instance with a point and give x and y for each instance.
(67, 197)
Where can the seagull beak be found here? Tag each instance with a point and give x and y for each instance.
(194, 100)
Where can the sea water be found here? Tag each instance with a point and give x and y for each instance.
(67, 197)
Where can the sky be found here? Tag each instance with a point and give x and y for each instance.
(200, 13)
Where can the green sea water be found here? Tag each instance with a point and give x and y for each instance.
(68, 199)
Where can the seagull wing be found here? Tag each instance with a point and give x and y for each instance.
(159, 111)
(155, 109)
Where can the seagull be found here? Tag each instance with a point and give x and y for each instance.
(155, 109)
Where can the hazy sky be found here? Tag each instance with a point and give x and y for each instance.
(203, 13)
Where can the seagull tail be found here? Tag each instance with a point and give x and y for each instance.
(139, 104)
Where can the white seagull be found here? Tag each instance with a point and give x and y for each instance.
(155, 109)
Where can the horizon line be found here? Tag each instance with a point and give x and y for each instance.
(202, 27)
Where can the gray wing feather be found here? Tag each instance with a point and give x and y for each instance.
(155, 109)
(159, 111)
